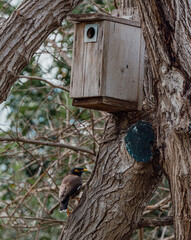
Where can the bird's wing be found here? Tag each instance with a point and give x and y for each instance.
(70, 185)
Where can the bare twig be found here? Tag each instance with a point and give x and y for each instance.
(101, 9)
(35, 218)
(27, 193)
(61, 52)
(46, 81)
(154, 222)
(43, 143)
(170, 238)
(141, 232)
(53, 208)
(62, 234)
(159, 205)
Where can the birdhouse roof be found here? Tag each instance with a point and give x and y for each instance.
(102, 17)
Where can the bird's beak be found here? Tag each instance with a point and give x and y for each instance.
(85, 170)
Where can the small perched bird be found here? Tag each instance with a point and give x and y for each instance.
(70, 187)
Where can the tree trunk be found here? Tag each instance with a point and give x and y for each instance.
(23, 33)
(119, 187)
(105, 213)
(118, 190)
(167, 33)
(178, 166)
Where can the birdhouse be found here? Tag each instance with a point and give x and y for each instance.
(108, 63)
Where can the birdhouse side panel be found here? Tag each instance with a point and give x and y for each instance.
(87, 63)
(141, 72)
(123, 62)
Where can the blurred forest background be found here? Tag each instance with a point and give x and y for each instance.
(46, 137)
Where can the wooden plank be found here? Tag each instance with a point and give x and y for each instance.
(141, 71)
(122, 70)
(111, 105)
(77, 74)
(101, 17)
(86, 74)
(106, 41)
(93, 64)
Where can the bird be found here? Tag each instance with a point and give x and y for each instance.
(70, 187)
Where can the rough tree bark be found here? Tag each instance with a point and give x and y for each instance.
(119, 187)
(167, 28)
(118, 190)
(23, 33)
(104, 213)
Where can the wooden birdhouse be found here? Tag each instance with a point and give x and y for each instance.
(108, 63)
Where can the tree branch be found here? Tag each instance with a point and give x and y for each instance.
(101, 9)
(46, 81)
(23, 33)
(43, 143)
(116, 192)
(155, 222)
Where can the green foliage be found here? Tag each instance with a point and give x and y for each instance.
(6, 7)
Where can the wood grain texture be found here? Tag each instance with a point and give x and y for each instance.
(23, 33)
(178, 167)
(100, 17)
(93, 64)
(77, 74)
(123, 52)
(155, 222)
(119, 188)
(117, 191)
(166, 27)
(112, 67)
(167, 32)
(111, 105)
(87, 64)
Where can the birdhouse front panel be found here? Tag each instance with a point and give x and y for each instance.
(87, 63)
(108, 63)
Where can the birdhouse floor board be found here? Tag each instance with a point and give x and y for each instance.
(101, 17)
(106, 104)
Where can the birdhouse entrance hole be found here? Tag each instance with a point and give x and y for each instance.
(90, 33)
(108, 63)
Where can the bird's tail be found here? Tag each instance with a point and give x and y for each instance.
(64, 205)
